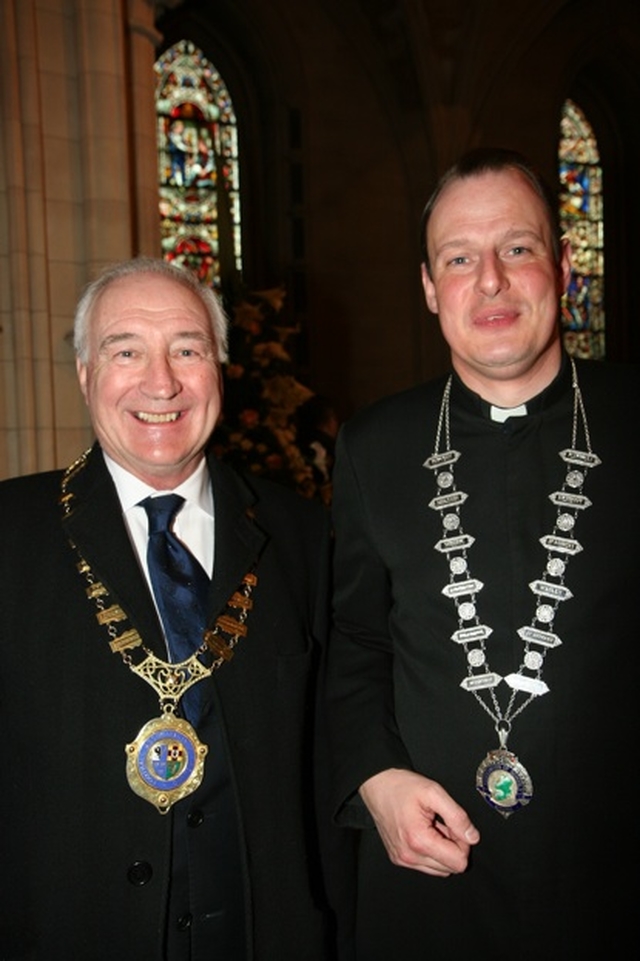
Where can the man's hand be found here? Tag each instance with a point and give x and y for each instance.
(421, 826)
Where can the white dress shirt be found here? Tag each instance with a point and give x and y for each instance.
(194, 524)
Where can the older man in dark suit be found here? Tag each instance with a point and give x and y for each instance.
(157, 801)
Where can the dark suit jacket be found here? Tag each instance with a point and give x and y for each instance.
(85, 862)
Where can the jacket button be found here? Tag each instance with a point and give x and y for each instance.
(195, 818)
(139, 873)
(184, 922)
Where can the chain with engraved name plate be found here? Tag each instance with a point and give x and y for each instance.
(501, 779)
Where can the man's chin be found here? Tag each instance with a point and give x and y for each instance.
(162, 469)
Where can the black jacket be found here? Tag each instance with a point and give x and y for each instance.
(554, 880)
(85, 862)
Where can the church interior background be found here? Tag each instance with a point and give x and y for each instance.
(314, 136)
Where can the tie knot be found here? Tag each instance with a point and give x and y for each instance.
(161, 511)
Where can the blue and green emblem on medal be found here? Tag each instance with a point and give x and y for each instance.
(504, 782)
(166, 761)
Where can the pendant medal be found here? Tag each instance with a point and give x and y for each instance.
(165, 763)
(504, 782)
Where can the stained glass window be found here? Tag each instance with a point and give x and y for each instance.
(199, 175)
(581, 220)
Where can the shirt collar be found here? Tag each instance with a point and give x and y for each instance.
(196, 489)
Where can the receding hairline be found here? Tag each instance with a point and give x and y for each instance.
(148, 267)
(144, 269)
(524, 231)
(103, 287)
(492, 160)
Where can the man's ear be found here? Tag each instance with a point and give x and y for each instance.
(81, 370)
(565, 264)
(429, 290)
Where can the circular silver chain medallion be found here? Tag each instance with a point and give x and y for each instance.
(504, 782)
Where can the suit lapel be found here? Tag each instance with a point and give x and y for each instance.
(238, 539)
(96, 526)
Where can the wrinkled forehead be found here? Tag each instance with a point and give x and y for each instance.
(151, 298)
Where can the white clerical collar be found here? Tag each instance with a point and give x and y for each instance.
(500, 414)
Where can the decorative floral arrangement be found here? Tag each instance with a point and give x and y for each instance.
(261, 430)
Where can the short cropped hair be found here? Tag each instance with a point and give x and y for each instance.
(147, 265)
(493, 160)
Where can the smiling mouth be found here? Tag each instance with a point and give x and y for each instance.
(149, 418)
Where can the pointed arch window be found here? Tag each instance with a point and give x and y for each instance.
(199, 172)
(581, 219)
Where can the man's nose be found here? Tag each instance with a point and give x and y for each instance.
(492, 275)
(159, 378)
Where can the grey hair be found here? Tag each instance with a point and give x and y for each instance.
(147, 265)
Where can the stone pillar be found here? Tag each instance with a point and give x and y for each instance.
(143, 41)
(78, 189)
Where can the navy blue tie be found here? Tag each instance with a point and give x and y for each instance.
(180, 586)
